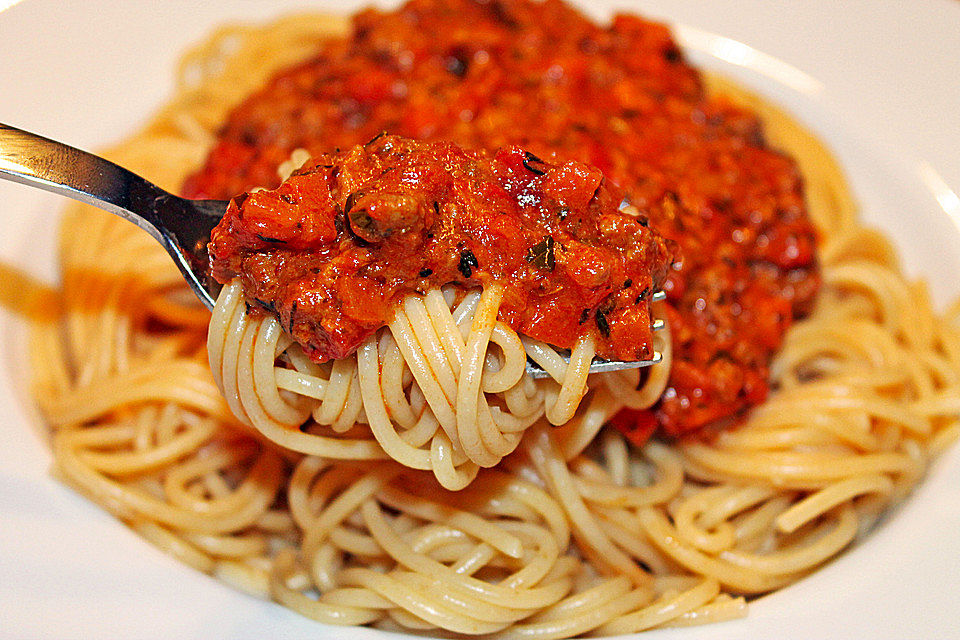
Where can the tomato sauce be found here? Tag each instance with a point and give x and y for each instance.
(495, 73)
(334, 248)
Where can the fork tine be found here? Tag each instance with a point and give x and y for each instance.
(600, 366)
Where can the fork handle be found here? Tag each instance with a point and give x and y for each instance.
(181, 226)
(53, 166)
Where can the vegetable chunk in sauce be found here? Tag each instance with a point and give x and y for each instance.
(333, 249)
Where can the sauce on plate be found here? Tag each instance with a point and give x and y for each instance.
(621, 98)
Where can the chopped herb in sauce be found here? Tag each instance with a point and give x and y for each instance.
(602, 324)
(468, 262)
(529, 159)
(541, 254)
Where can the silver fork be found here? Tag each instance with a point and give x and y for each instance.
(182, 226)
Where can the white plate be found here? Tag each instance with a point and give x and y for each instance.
(880, 80)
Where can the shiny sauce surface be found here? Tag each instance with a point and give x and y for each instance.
(619, 97)
(334, 248)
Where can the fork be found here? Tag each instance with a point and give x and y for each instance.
(182, 226)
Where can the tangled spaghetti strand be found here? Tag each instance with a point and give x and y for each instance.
(574, 531)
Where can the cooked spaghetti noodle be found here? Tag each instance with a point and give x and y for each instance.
(425, 386)
(574, 532)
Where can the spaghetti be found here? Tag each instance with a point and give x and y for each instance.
(443, 386)
(425, 386)
(576, 531)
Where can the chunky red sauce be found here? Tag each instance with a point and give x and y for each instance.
(539, 75)
(333, 248)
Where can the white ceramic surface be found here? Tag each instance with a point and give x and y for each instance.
(878, 79)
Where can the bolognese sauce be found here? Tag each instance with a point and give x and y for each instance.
(489, 74)
(333, 249)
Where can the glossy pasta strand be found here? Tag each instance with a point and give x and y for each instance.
(352, 494)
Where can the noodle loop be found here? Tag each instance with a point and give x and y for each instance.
(358, 492)
(443, 388)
